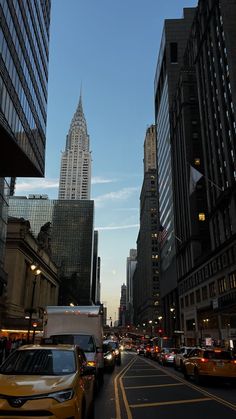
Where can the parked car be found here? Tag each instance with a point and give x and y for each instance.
(109, 357)
(52, 378)
(166, 356)
(116, 349)
(181, 355)
(204, 363)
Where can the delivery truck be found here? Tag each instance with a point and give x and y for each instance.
(78, 325)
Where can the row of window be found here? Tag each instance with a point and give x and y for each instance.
(209, 291)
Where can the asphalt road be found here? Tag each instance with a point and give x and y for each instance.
(140, 388)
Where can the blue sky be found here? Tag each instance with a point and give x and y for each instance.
(110, 48)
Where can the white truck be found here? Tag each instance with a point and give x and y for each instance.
(78, 325)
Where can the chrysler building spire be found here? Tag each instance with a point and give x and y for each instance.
(75, 175)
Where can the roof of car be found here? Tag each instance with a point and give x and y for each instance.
(48, 346)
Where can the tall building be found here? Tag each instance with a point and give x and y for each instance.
(170, 61)
(69, 224)
(146, 278)
(75, 175)
(123, 304)
(130, 269)
(207, 282)
(24, 46)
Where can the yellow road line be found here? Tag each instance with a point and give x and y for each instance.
(200, 390)
(117, 402)
(170, 402)
(154, 386)
(145, 376)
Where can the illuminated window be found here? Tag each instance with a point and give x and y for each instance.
(197, 161)
(201, 216)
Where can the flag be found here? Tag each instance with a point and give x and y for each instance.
(195, 176)
(162, 235)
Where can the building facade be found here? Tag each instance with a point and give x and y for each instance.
(146, 279)
(207, 291)
(170, 60)
(131, 264)
(71, 240)
(24, 46)
(75, 174)
(26, 292)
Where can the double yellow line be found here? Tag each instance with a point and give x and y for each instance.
(117, 379)
(119, 384)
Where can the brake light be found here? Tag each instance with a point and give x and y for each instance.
(204, 360)
(233, 361)
(91, 363)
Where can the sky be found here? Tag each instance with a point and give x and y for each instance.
(108, 50)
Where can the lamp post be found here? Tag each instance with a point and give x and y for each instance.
(150, 322)
(36, 271)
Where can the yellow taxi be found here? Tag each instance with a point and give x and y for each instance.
(49, 381)
(202, 363)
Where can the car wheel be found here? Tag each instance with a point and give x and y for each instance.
(175, 366)
(118, 361)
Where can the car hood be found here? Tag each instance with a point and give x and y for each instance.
(23, 385)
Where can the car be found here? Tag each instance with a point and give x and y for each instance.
(116, 349)
(203, 363)
(109, 357)
(167, 355)
(140, 350)
(51, 380)
(181, 355)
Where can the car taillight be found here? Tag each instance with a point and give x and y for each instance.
(91, 363)
(204, 360)
(233, 361)
(166, 356)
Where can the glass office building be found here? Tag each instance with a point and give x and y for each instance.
(71, 239)
(24, 41)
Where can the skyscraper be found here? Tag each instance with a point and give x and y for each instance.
(24, 47)
(146, 278)
(75, 175)
(170, 61)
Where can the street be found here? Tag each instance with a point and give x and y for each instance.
(141, 388)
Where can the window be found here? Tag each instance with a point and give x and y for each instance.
(198, 296)
(232, 280)
(222, 285)
(186, 301)
(201, 216)
(212, 289)
(192, 298)
(204, 293)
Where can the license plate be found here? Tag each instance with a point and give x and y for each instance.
(220, 364)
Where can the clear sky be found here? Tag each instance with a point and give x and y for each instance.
(110, 48)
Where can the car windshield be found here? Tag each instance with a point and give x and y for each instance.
(85, 342)
(39, 362)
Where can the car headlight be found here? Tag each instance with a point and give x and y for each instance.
(62, 396)
(109, 356)
(117, 351)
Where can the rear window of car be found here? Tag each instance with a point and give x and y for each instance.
(217, 355)
(85, 342)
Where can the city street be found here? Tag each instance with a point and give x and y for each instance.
(142, 388)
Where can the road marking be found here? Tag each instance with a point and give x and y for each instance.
(170, 402)
(117, 401)
(145, 376)
(156, 385)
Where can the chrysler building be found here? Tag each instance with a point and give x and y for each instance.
(75, 175)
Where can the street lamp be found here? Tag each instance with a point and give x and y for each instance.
(36, 271)
(150, 322)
